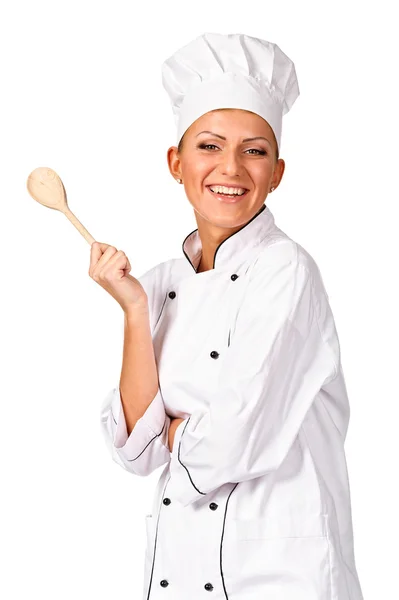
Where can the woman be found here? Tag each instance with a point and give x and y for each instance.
(231, 373)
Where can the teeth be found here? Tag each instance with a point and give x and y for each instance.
(219, 189)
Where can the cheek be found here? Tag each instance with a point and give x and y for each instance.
(199, 169)
(261, 174)
(204, 162)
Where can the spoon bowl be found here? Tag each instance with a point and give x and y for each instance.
(46, 187)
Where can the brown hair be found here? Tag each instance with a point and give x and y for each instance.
(180, 146)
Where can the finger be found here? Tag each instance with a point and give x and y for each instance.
(96, 251)
(114, 263)
(106, 252)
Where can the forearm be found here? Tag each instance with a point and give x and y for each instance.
(172, 429)
(139, 375)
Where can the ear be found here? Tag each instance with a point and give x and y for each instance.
(278, 173)
(174, 162)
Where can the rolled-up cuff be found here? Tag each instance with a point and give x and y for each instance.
(154, 423)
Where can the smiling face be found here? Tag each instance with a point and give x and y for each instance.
(216, 150)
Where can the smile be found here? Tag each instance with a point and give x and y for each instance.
(229, 198)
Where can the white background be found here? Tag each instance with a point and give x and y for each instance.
(82, 94)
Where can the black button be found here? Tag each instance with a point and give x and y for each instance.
(164, 583)
(172, 295)
(208, 587)
(234, 277)
(213, 506)
(166, 501)
(214, 354)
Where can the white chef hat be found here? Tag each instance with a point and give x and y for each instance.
(230, 71)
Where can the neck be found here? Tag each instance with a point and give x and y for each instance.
(211, 237)
(204, 265)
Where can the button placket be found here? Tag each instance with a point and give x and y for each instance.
(220, 344)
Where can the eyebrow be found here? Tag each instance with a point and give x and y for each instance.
(258, 137)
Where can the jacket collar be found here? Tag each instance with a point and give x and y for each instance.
(242, 241)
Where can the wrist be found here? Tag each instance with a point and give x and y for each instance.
(136, 312)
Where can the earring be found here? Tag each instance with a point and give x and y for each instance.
(271, 189)
(178, 180)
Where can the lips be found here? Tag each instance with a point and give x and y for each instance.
(226, 198)
(228, 186)
(238, 195)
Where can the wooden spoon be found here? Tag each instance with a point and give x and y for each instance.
(46, 187)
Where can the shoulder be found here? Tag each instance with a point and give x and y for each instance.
(285, 259)
(284, 251)
(286, 270)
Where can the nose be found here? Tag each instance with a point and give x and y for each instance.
(230, 163)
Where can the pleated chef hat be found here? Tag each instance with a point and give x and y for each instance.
(230, 71)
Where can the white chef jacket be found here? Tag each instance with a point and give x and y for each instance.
(254, 502)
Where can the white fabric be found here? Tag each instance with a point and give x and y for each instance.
(254, 499)
(230, 71)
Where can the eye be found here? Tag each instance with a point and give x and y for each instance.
(261, 152)
(203, 146)
(251, 150)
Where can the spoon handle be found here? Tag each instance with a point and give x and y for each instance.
(75, 221)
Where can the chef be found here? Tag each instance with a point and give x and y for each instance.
(251, 411)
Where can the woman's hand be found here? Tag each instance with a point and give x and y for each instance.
(174, 423)
(109, 268)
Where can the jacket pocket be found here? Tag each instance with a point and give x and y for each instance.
(284, 558)
(274, 527)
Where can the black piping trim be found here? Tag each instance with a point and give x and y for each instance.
(184, 252)
(150, 442)
(221, 541)
(178, 456)
(159, 316)
(230, 236)
(233, 234)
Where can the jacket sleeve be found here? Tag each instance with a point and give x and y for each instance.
(146, 448)
(271, 372)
